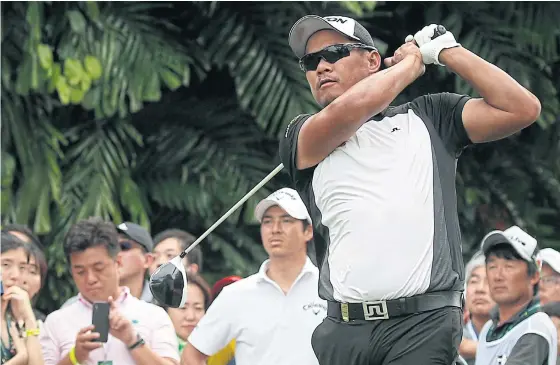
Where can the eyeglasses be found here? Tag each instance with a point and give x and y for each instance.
(331, 54)
(550, 280)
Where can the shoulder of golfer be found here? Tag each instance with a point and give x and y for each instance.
(323, 132)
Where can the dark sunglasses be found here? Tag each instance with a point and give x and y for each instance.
(126, 245)
(331, 54)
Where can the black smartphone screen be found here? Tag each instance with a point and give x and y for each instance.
(100, 319)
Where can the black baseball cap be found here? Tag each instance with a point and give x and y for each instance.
(137, 233)
(305, 27)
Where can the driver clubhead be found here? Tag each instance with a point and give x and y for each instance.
(168, 283)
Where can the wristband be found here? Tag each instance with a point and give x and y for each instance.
(32, 332)
(72, 356)
(140, 341)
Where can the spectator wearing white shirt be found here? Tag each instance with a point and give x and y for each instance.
(273, 313)
(139, 332)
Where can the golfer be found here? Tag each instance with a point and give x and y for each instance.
(379, 184)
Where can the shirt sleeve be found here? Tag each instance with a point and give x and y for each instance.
(216, 328)
(530, 349)
(288, 149)
(49, 343)
(445, 112)
(163, 340)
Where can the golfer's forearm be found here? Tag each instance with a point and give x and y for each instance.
(143, 355)
(371, 95)
(498, 89)
(336, 123)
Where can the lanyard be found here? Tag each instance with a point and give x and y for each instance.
(472, 331)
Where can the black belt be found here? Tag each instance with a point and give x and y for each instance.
(385, 309)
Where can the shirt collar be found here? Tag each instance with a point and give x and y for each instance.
(125, 294)
(494, 313)
(308, 267)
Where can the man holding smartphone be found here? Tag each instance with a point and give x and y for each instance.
(106, 325)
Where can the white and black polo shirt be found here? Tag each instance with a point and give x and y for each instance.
(383, 204)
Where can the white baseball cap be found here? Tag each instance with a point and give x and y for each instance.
(305, 27)
(550, 257)
(521, 241)
(287, 199)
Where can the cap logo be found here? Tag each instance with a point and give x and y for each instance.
(336, 20)
(517, 239)
(279, 195)
(123, 226)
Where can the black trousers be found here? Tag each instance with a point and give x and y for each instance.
(429, 338)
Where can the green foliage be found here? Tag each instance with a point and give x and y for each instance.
(166, 114)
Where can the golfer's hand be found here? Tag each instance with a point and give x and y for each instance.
(120, 326)
(409, 49)
(84, 343)
(431, 44)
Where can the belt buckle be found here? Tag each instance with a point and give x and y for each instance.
(376, 310)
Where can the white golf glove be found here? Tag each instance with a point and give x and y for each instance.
(431, 46)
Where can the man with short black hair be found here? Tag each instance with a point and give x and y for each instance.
(549, 285)
(139, 332)
(136, 254)
(271, 314)
(518, 333)
(170, 243)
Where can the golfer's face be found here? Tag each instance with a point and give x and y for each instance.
(283, 235)
(342, 74)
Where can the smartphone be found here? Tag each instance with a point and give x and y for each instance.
(100, 319)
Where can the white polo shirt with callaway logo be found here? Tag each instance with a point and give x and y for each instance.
(269, 327)
(384, 205)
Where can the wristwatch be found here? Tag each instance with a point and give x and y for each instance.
(139, 342)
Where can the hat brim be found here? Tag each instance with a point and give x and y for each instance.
(496, 237)
(263, 206)
(550, 259)
(304, 28)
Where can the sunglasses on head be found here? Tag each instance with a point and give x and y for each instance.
(331, 54)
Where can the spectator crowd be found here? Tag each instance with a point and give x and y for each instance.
(511, 306)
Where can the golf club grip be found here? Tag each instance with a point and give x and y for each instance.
(440, 30)
(233, 209)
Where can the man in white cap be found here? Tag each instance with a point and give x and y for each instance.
(271, 314)
(549, 285)
(519, 332)
(479, 303)
(379, 184)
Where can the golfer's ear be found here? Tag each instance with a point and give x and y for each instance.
(374, 61)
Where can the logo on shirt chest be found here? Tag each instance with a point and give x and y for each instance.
(315, 308)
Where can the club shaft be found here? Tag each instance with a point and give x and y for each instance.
(234, 208)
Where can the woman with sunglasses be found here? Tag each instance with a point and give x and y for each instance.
(20, 328)
(379, 183)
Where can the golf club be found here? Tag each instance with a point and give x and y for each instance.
(168, 283)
